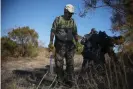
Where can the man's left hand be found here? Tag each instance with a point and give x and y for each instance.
(78, 48)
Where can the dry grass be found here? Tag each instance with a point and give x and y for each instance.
(111, 76)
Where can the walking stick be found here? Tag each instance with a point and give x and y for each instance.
(51, 63)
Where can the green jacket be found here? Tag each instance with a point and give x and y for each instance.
(64, 30)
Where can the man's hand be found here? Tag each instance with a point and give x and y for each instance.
(51, 46)
(77, 46)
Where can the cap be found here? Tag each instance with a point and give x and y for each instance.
(70, 8)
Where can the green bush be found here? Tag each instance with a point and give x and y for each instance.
(21, 41)
(31, 50)
(7, 47)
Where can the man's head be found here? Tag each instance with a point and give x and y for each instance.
(68, 11)
(93, 30)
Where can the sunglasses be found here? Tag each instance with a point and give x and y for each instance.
(67, 12)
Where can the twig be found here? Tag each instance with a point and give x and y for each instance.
(110, 76)
(76, 84)
(107, 77)
(55, 85)
(116, 75)
(130, 60)
(42, 80)
(52, 82)
(125, 75)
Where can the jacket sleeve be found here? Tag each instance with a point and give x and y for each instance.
(74, 28)
(53, 29)
(55, 24)
(74, 31)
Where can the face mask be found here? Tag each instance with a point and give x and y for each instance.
(67, 14)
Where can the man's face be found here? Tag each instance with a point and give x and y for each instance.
(67, 14)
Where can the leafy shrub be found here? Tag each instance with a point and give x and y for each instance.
(7, 46)
(21, 41)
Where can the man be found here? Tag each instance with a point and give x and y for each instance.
(65, 30)
(90, 47)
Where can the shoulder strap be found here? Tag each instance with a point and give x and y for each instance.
(61, 20)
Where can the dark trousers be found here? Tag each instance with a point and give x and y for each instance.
(64, 50)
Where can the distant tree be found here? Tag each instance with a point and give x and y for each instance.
(25, 37)
(7, 46)
(122, 16)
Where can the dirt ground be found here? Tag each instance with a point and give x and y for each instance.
(11, 81)
(28, 64)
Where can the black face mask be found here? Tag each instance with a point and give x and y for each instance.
(67, 14)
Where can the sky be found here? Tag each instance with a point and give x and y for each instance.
(40, 14)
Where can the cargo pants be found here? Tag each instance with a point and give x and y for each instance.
(64, 50)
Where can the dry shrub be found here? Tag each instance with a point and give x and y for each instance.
(110, 76)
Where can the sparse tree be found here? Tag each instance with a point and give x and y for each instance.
(25, 37)
(122, 12)
(7, 46)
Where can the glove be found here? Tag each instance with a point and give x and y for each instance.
(78, 46)
(51, 46)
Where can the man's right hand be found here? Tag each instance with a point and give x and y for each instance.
(51, 46)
